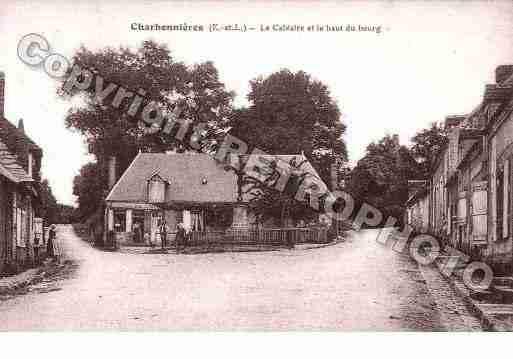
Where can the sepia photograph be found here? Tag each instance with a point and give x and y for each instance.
(266, 166)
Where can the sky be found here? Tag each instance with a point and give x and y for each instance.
(432, 59)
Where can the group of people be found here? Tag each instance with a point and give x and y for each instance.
(181, 234)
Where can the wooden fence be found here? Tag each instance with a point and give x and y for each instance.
(266, 236)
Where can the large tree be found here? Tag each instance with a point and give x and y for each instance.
(381, 177)
(291, 113)
(49, 206)
(110, 131)
(89, 187)
(51, 210)
(268, 202)
(426, 146)
(151, 68)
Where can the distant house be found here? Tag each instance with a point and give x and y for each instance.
(20, 225)
(187, 188)
(418, 206)
(469, 193)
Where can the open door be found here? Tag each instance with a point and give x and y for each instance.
(479, 210)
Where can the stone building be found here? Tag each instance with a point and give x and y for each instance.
(21, 228)
(418, 206)
(469, 191)
(188, 188)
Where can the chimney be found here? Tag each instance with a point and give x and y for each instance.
(502, 73)
(395, 139)
(21, 127)
(2, 94)
(111, 163)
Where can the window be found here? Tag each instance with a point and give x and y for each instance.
(506, 218)
(179, 216)
(119, 220)
(493, 188)
(197, 221)
(138, 224)
(156, 190)
(138, 217)
(454, 209)
(20, 241)
(38, 231)
(499, 202)
(462, 208)
(30, 164)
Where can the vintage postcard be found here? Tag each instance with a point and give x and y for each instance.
(256, 166)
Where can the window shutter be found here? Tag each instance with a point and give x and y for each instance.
(493, 191)
(449, 214)
(505, 211)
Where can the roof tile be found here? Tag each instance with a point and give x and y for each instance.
(193, 177)
(10, 168)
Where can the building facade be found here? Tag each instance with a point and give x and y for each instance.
(469, 192)
(21, 228)
(188, 188)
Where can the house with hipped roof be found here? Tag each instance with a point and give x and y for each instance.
(189, 188)
(21, 228)
(468, 199)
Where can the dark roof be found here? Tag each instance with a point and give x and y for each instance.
(10, 168)
(185, 173)
(474, 150)
(7, 129)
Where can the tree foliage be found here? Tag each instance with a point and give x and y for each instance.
(381, 177)
(427, 143)
(89, 187)
(291, 113)
(51, 210)
(110, 131)
(267, 202)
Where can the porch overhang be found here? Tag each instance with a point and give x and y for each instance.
(194, 204)
(169, 205)
(132, 205)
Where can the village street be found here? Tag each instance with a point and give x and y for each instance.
(355, 285)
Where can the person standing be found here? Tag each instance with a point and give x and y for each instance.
(52, 234)
(147, 239)
(137, 234)
(163, 233)
(180, 236)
